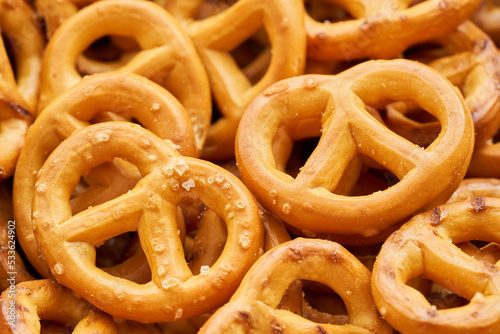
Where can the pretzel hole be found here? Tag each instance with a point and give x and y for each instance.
(107, 53)
(207, 242)
(116, 250)
(411, 122)
(427, 52)
(438, 297)
(326, 11)
(321, 304)
(253, 56)
(302, 150)
(443, 298)
(496, 138)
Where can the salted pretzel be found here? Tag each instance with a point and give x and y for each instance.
(308, 202)
(47, 300)
(67, 241)
(487, 17)
(383, 29)
(426, 246)
(216, 36)
(254, 305)
(129, 96)
(167, 57)
(23, 40)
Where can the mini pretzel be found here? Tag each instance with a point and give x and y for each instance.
(217, 35)
(128, 95)
(253, 306)
(476, 187)
(18, 93)
(167, 57)
(54, 14)
(307, 202)
(383, 29)
(37, 300)
(67, 241)
(425, 246)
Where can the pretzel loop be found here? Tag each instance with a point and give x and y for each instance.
(348, 130)
(19, 91)
(167, 55)
(128, 95)
(425, 246)
(254, 303)
(174, 293)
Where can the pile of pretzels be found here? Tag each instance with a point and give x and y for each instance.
(250, 166)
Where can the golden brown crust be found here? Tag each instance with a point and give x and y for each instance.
(252, 309)
(128, 95)
(67, 241)
(307, 202)
(426, 246)
(168, 56)
(216, 36)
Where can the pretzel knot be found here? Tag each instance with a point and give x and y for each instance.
(426, 246)
(67, 241)
(254, 305)
(124, 95)
(383, 29)
(308, 201)
(167, 55)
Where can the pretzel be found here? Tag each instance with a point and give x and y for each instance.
(216, 36)
(307, 202)
(67, 241)
(473, 68)
(54, 14)
(18, 93)
(167, 57)
(383, 29)
(487, 17)
(253, 306)
(49, 301)
(127, 95)
(425, 246)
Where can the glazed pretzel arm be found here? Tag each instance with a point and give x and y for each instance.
(391, 151)
(164, 258)
(327, 163)
(95, 225)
